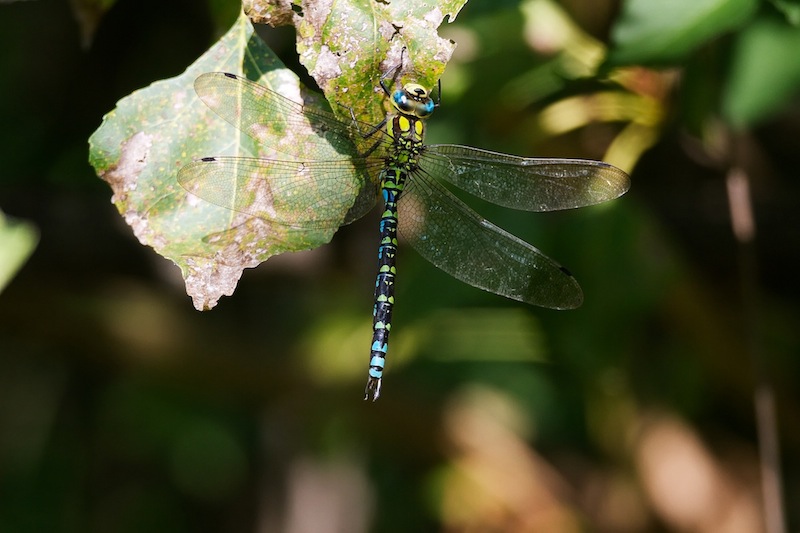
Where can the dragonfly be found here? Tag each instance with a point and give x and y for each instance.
(390, 161)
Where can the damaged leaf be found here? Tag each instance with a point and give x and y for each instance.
(347, 45)
(154, 132)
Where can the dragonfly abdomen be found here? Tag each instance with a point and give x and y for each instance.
(392, 181)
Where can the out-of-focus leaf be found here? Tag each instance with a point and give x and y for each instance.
(659, 32)
(346, 42)
(155, 131)
(88, 13)
(764, 72)
(790, 8)
(223, 12)
(17, 241)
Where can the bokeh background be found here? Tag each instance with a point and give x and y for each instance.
(668, 402)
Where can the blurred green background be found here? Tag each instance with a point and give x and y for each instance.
(124, 409)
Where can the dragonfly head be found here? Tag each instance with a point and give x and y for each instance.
(413, 99)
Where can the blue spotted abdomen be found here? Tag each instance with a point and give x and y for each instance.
(407, 133)
(391, 186)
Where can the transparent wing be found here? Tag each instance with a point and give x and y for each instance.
(530, 184)
(267, 116)
(303, 195)
(453, 237)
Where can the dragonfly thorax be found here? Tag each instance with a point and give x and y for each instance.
(413, 99)
(407, 132)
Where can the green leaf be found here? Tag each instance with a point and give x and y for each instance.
(17, 241)
(153, 132)
(790, 9)
(764, 71)
(348, 45)
(662, 32)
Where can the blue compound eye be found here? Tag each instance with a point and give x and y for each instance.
(413, 99)
(425, 108)
(402, 102)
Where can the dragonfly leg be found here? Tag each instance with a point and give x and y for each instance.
(370, 133)
(393, 74)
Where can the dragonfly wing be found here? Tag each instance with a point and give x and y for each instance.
(453, 237)
(527, 183)
(317, 194)
(276, 121)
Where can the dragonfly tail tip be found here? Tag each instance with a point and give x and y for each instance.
(373, 389)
